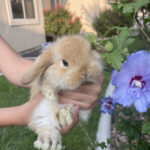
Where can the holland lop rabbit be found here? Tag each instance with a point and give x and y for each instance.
(65, 65)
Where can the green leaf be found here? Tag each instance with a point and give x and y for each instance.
(114, 5)
(125, 32)
(121, 42)
(146, 127)
(128, 8)
(92, 38)
(109, 141)
(130, 41)
(119, 45)
(115, 58)
(102, 145)
(140, 3)
(125, 51)
(109, 46)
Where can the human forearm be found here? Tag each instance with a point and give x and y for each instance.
(18, 115)
(10, 116)
(12, 65)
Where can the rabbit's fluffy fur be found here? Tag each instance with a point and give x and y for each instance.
(65, 65)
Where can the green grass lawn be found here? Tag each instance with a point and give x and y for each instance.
(21, 138)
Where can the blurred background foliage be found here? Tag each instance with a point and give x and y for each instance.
(108, 19)
(59, 21)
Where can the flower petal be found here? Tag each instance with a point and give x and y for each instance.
(140, 62)
(137, 65)
(141, 105)
(123, 77)
(146, 96)
(120, 92)
(126, 100)
(107, 105)
(147, 82)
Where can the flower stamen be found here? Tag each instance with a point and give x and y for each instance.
(138, 84)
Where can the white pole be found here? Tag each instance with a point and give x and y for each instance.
(104, 126)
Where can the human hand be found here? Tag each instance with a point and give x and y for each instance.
(85, 97)
(25, 111)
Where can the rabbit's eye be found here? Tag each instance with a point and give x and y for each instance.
(65, 63)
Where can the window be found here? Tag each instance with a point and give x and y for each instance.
(22, 12)
(53, 3)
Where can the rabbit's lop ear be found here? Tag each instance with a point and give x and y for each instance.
(39, 66)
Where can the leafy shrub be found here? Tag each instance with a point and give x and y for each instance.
(127, 1)
(59, 22)
(109, 19)
(132, 128)
(129, 124)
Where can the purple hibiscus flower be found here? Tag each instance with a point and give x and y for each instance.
(133, 81)
(107, 105)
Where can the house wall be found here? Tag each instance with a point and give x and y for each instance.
(22, 37)
(46, 4)
(87, 10)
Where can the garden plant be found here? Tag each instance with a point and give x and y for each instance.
(128, 91)
(60, 21)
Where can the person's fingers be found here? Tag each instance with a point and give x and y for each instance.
(67, 128)
(91, 88)
(82, 104)
(79, 96)
(87, 88)
(85, 96)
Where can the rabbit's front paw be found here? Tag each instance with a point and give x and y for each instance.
(48, 139)
(66, 115)
(46, 145)
(41, 145)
